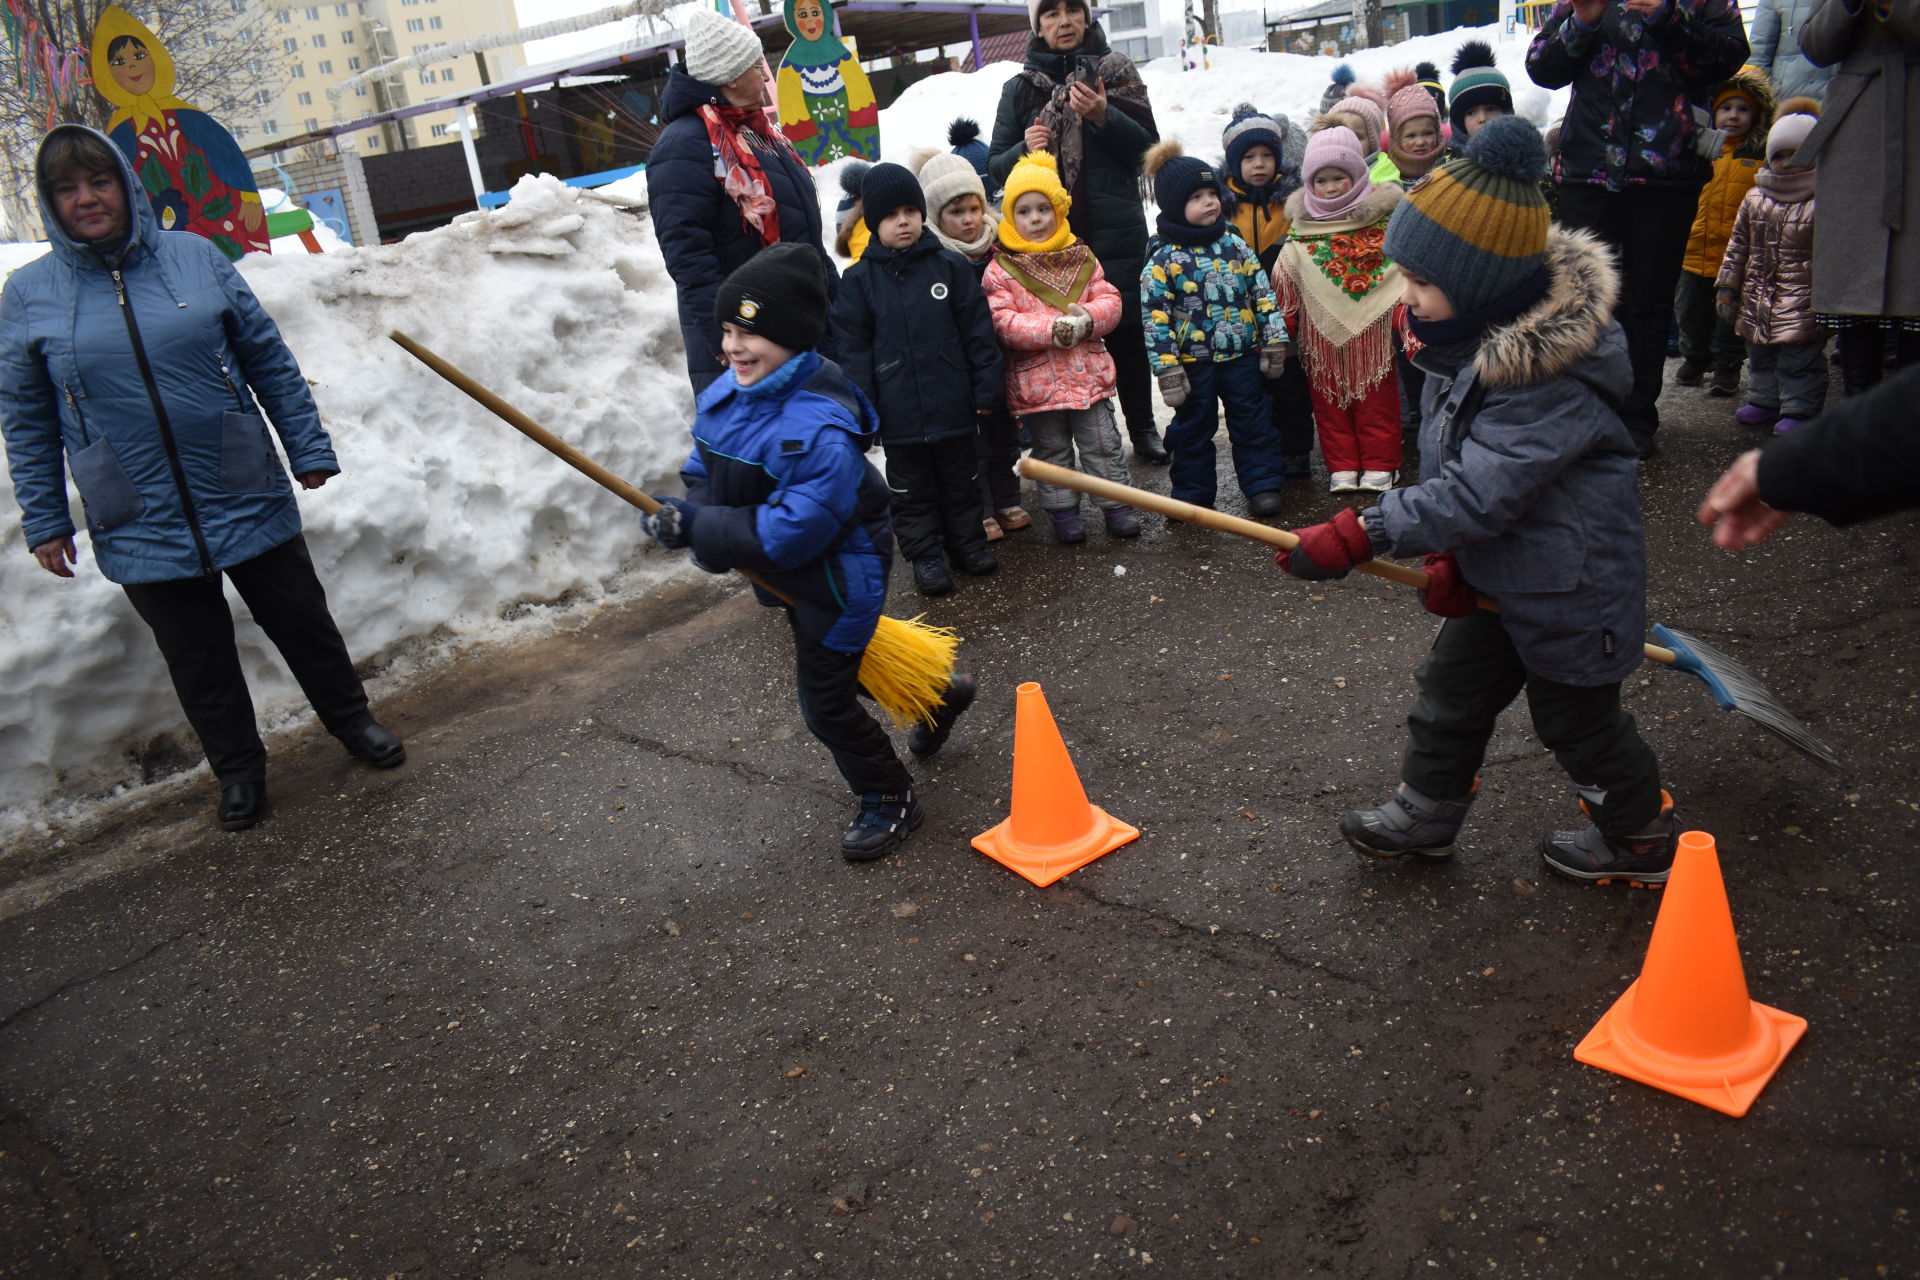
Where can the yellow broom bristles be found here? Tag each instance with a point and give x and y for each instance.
(907, 667)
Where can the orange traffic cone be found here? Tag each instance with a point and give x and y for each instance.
(1686, 1025)
(1052, 830)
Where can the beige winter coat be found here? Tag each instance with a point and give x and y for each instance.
(1769, 260)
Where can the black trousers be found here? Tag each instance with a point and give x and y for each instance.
(1292, 409)
(828, 684)
(996, 447)
(936, 497)
(1863, 353)
(1133, 381)
(1471, 675)
(1706, 338)
(1647, 228)
(193, 626)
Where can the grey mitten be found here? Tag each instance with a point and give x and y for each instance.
(1173, 386)
(1063, 332)
(1082, 322)
(1273, 360)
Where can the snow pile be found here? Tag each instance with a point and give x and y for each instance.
(1194, 106)
(445, 524)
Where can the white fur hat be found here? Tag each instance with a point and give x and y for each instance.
(946, 177)
(719, 50)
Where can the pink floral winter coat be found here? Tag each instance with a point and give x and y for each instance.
(1040, 376)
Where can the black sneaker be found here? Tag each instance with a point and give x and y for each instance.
(1643, 859)
(979, 563)
(1408, 822)
(931, 576)
(1726, 381)
(883, 823)
(1263, 505)
(928, 736)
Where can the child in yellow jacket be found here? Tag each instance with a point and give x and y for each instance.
(1742, 114)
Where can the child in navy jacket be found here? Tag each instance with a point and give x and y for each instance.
(915, 334)
(778, 484)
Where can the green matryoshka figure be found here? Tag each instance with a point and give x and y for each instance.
(826, 104)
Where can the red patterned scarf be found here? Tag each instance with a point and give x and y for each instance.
(738, 133)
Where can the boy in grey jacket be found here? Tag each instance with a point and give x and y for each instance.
(1528, 498)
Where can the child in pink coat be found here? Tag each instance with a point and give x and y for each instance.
(1051, 306)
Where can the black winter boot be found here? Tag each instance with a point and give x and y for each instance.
(1408, 822)
(1148, 447)
(931, 576)
(928, 736)
(1644, 858)
(883, 823)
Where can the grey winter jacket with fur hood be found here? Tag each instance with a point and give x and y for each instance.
(1534, 488)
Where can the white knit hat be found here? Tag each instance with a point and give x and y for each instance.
(946, 177)
(719, 50)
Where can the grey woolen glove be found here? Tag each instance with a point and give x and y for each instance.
(1173, 386)
(1063, 332)
(1273, 360)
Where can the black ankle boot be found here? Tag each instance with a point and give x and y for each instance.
(242, 804)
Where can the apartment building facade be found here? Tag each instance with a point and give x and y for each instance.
(323, 44)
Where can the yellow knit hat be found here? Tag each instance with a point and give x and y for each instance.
(1037, 171)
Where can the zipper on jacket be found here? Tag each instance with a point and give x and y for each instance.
(166, 427)
(79, 418)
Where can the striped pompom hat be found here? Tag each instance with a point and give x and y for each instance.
(1478, 227)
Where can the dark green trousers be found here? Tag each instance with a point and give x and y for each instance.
(1470, 676)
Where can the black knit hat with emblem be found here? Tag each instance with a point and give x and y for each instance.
(780, 293)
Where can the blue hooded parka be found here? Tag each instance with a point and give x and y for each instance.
(139, 365)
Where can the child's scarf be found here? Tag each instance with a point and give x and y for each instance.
(1180, 231)
(737, 133)
(1058, 277)
(1340, 206)
(972, 250)
(1012, 240)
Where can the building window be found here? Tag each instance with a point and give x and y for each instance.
(373, 143)
(346, 37)
(437, 131)
(447, 75)
(434, 23)
(1126, 17)
(271, 126)
(419, 48)
(298, 71)
(339, 11)
(289, 45)
(319, 40)
(426, 77)
(326, 67)
(263, 96)
(281, 15)
(359, 91)
(353, 64)
(313, 14)
(239, 131)
(313, 124)
(306, 99)
(416, 24)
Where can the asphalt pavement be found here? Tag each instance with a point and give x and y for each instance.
(585, 988)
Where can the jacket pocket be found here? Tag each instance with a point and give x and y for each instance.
(247, 462)
(110, 498)
(1542, 559)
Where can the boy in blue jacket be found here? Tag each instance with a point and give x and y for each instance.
(778, 483)
(914, 331)
(1528, 497)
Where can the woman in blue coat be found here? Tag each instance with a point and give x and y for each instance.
(723, 182)
(140, 359)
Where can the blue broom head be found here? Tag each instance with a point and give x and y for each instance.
(1737, 689)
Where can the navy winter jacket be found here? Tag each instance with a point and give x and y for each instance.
(1534, 490)
(916, 334)
(701, 233)
(176, 468)
(780, 475)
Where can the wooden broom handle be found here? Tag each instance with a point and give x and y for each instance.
(551, 442)
(1207, 517)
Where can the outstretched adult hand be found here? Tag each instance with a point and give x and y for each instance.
(1734, 509)
(56, 555)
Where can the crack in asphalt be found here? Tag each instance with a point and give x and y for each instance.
(739, 768)
(84, 979)
(1212, 933)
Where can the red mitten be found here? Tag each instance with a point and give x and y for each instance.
(1447, 593)
(1327, 550)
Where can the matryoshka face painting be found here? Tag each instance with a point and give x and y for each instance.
(131, 66)
(811, 19)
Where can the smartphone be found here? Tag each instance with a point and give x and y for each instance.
(1087, 69)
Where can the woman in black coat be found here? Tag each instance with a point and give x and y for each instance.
(1083, 102)
(714, 106)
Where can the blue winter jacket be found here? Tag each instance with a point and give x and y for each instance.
(916, 335)
(779, 473)
(176, 468)
(1528, 474)
(698, 224)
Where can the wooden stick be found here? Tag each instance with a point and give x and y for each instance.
(1207, 517)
